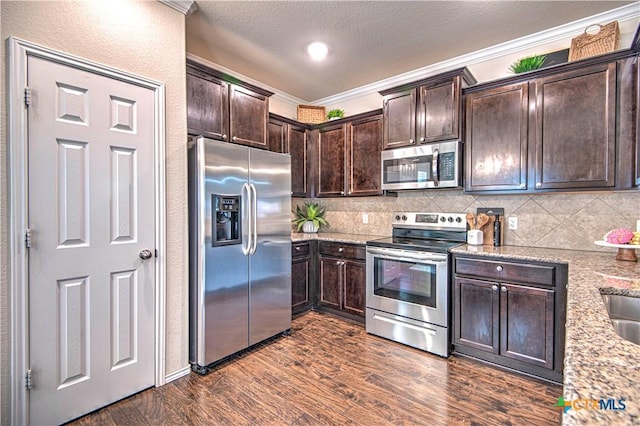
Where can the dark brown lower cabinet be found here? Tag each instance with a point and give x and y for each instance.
(516, 325)
(341, 279)
(301, 277)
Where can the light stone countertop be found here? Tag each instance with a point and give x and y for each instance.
(329, 236)
(598, 363)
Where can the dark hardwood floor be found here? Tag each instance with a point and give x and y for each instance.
(331, 372)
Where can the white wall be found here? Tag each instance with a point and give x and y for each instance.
(142, 37)
(484, 67)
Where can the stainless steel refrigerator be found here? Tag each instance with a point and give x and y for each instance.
(240, 248)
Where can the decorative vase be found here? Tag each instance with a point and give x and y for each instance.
(309, 227)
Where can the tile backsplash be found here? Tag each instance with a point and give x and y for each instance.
(553, 220)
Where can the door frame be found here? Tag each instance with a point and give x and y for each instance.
(17, 138)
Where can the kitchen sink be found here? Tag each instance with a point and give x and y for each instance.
(624, 312)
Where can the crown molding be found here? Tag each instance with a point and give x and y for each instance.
(285, 97)
(572, 29)
(186, 7)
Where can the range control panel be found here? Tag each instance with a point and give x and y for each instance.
(449, 221)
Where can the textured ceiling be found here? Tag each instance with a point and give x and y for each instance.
(368, 40)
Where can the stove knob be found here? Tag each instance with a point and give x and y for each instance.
(443, 219)
(404, 217)
(450, 219)
(458, 219)
(397, 217)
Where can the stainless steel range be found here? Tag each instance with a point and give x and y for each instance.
(408, 280)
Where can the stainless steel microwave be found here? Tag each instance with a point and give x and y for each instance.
(435, 165)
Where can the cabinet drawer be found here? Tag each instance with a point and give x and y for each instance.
(300, 249)
(506, 271)
(342, 250)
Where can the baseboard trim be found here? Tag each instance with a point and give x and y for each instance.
(177, 374)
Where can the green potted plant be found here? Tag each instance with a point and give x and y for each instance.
(310, 217)
(528, 63)
(335, 114)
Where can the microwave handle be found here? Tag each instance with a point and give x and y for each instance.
(435, 168)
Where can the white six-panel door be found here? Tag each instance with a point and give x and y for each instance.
(91, 215)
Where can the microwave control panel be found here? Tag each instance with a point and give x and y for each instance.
(447, 166)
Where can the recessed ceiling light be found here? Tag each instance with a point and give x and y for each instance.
(317, 50)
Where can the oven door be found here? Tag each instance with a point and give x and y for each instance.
(411, 284)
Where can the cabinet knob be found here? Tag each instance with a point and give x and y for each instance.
(538, 184)
(504, 289)
(340, 249)
(224, 137)
(342, 263)
(411, 141)
(499, 268)
(422, 139)
(522, 185)
(234, 138)
(297, 248)
(341, 192)
(494, 287)
(338, 262)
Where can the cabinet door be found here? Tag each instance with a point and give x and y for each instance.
(248, 117)
(299, 284)
(354, 287)
(575, 129)
(476, 316)
(330, 282)
(331, 148)
(439, 111)
(526, 324)
(276, 134)
(496, 139)
(363, 158)
(637, 168)
(296, 145)
(207, 106)
(399, 110)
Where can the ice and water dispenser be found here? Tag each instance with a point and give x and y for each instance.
(227, 220)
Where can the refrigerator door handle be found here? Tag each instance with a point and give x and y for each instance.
(254, 218)
(246, 219)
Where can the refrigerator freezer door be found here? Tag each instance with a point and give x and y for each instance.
(270, 264)
(224, 329)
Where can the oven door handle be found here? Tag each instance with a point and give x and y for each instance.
(405, 324)
(431, 258)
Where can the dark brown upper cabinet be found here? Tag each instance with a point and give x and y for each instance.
(207, 105)
(276, 134)
(569, 127)
(637, 123)
(363, 156)
(575, 143)
(331, 148)
(425, 111)
(296, 145)
(347, 157)
(496, 138)
(236, 112)
(289, 136)
(399, 111)
(439, 110)
(248, 117)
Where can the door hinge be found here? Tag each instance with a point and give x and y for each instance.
(156, 252)
(27, 380)
(27, 238)
(27, 96)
